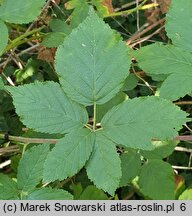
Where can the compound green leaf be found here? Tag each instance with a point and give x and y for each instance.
(186, 195)
(3, 36)
(69, 155)
(160, 59)
(30, 169)
(104, 165)
(49, 194)
(156, 180)
(82, 62)
(177, 85)
(131, 165)
(162, 149)
(8, 188)
(179, 23)
(44, 107)
(92, 193)
(21, 11)
(135, 122)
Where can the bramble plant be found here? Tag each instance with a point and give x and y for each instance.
(174, 61)
(126, 140)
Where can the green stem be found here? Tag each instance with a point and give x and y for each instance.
(94, 116)
(29, 140)
(25, 40)
(130, 11)
(17, 41)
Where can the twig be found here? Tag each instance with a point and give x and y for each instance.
(145, 82)
(149, 28)
(4, 164)
(182, 167)
(9, 149)
(43, 9)
(29, 140)
(182, 149)
(127, 5)
(183, 103)
(54, 141)
(19, 40)
(184, 138)
(188, 127)
(28, 49)
(138, 20)
(147, 37)
(130, 11)
(33, 46)
(17, 60)
(190, 158)
(141, 84)
(9, 80)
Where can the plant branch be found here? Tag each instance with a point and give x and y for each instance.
(54, 141)
(4, 164)
(28, 140)
(9, 150)
(184, 138)
(127, 5)
(143, 80)
(183, 103)
(42, 11)
(140, 33)
(130, 11)
(182, 168)
(183, 149)
(19, 40)
(146, 37)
